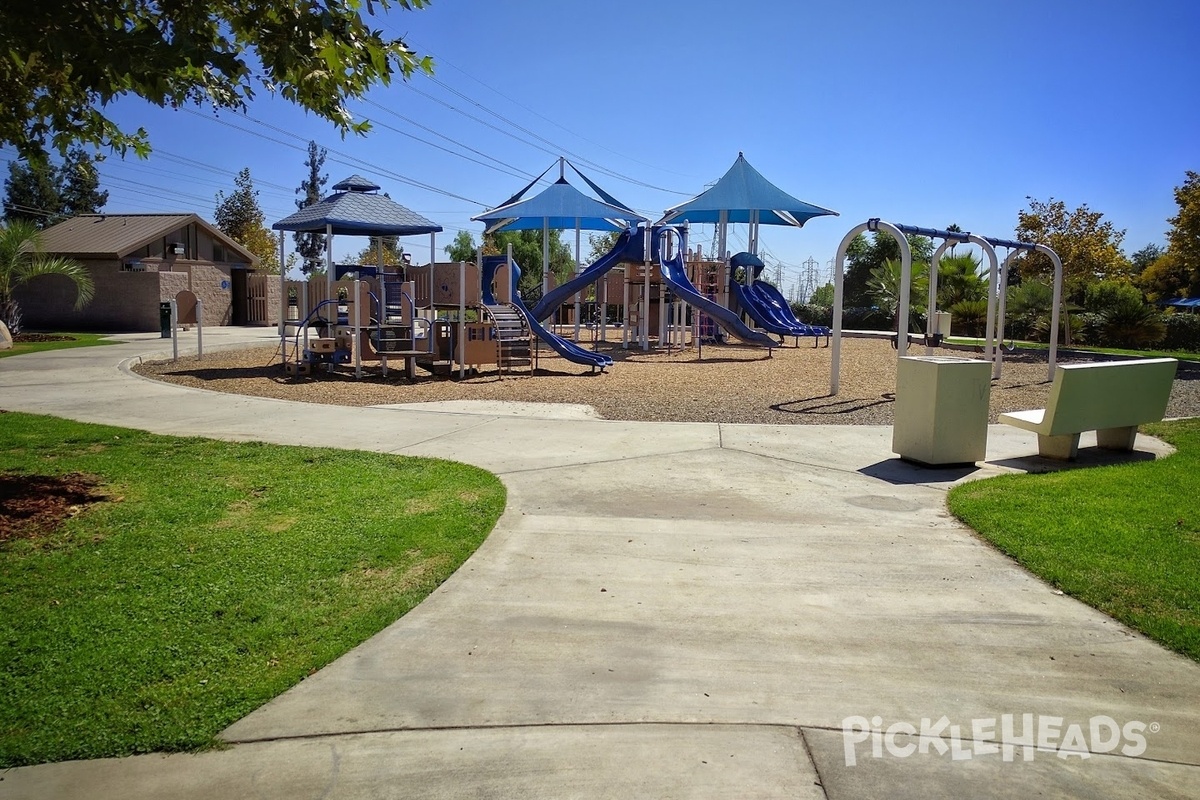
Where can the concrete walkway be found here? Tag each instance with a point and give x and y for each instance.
(670, 610)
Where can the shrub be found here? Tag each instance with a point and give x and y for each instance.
(811, 314)
(1182, 332)
(969, 317)
(1091, 328)
(1103, 296)
(1129, 322)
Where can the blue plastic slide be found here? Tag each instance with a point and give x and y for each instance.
(557, 296)
(675, 276)
(767, 307)
(568, 350)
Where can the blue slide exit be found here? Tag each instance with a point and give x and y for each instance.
(568, 350)
(675, 276)
(767, 307)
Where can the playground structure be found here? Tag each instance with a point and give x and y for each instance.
(688, 299)
(443, 316)
(449, 317)
(432, 316)
(997, 289)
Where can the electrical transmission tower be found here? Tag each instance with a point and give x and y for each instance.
(809, 281)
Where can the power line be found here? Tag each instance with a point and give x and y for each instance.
(553, 150)
(340, 157)
(541, 116)
(515, 171)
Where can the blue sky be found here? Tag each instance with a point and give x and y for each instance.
(921, 112)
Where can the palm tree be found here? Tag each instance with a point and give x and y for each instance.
(959, 280)
(1028, 308)
(1129, 322)
(969, 317)
(21, 259)
(884, 288)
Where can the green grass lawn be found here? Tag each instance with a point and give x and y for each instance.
(1125, 539)
(75, 340)
(1184, 355)
(214, 577)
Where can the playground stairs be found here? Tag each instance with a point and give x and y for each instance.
(513, 348)
(393, 308)
(392, 339)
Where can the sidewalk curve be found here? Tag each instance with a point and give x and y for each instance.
(667, 610)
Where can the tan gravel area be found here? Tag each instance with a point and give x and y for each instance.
(729, 384)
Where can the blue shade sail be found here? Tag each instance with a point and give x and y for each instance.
(740, 192)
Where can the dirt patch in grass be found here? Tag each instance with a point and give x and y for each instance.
(42, 337)
(33, 506)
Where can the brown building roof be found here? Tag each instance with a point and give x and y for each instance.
(117, 235)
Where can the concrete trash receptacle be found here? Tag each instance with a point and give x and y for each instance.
(941, 411)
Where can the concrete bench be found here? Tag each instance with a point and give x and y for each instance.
(1111, 398)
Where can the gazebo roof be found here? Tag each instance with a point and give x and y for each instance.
(356, 210)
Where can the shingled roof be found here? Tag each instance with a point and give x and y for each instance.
(115, 236)
(355, 210)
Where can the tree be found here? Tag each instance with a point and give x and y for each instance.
(21, 260)
(1029, 308)
(1168, 277)
(462, 248)
(969, 317)
(239, 217)
(1176, 272)
(822, 296)
(884, 288)
(600, 244)
(864, 256)
(959, 280)
(1183, 240)
(1026, 306)
(79, 185)
(44, 194)
(393, 253)
(1129, 322)
(311, 246)
(1088, 245)
(31, 193)
(1117, 316)
(1145, 257)
(527, 252)
(62, 63)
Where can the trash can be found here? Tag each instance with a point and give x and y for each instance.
(941, 410)
(164, 319)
